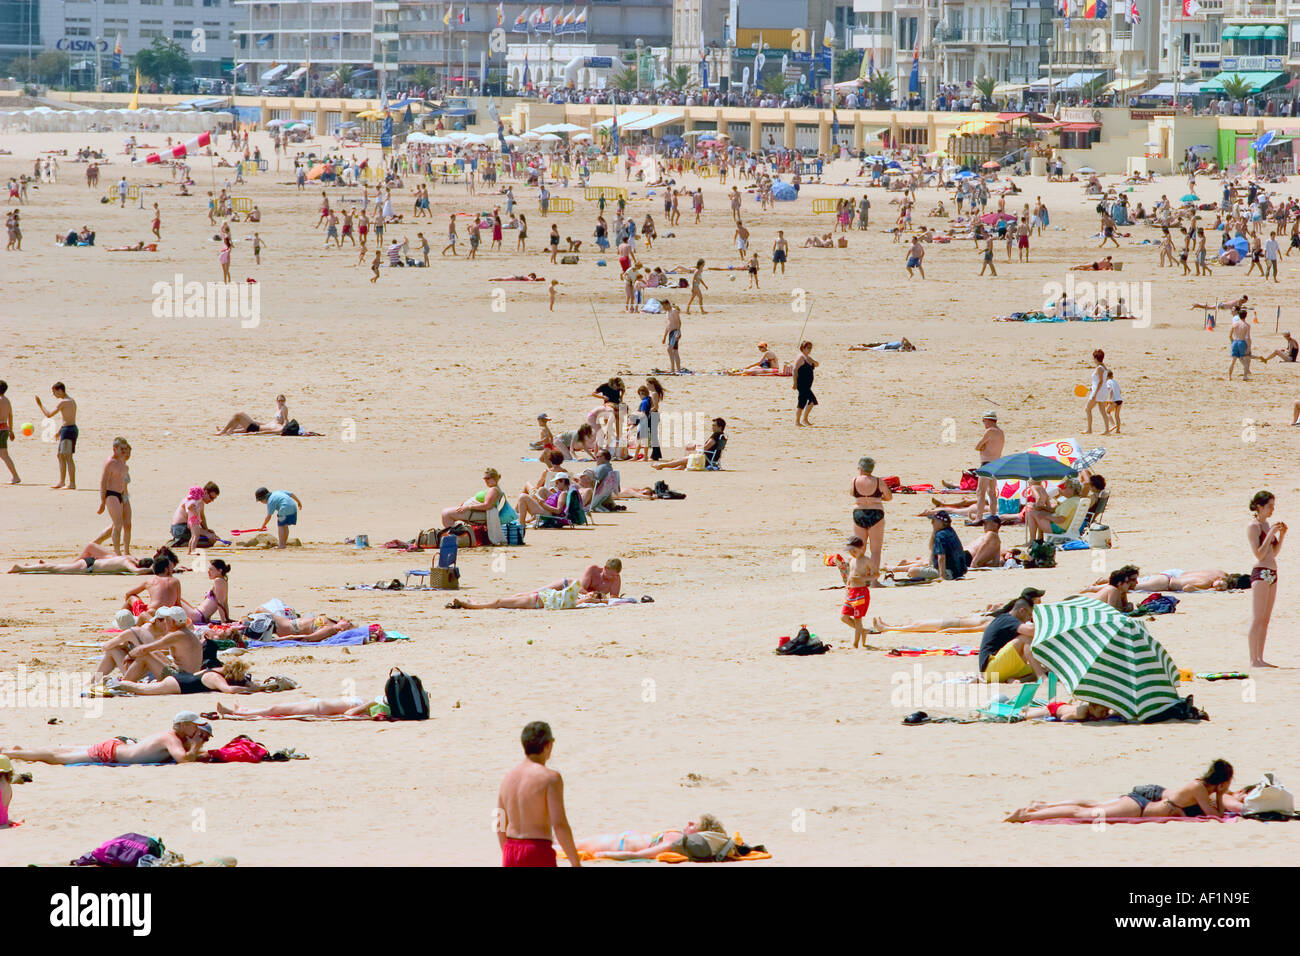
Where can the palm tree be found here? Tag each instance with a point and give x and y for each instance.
(680, 78)
(984, 87)
(422, 77)
(624, 80)
(847, 64)
(345, 75)
(881, 87)
(774, 83)
(1092, 89)
(1235, 87)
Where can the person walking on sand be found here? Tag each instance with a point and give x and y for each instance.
(914, 256)
(989, 448)
(1265, 542)
(1239, 345)
(451, 238)
(223, 257)
(803, 380)
(113, 497)
(988, 257)
(1097, 395)
(68, 432)
(530, 806)
(672, 336)
(698, 285)
(374, 266)
(857, 574)
(157, 222)
(741, 239)
(780, 251)
(869, 496)
(7, 432)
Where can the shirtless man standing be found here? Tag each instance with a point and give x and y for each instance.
(7, 432)
(67, 447)
(182, 744)
(672, 336)
(990, 448)
(742, 238)
(530, 806)
(1239, 345)
(857, 574)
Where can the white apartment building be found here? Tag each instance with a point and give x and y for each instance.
(89, 30)
(284, 40)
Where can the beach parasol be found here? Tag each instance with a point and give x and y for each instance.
(1105, 657)
(581, 137)
(1089, 458)
(993, 218)
(1086, 170)
(1026, 467)
(1190, 197)
(991, 165)
(964, 174)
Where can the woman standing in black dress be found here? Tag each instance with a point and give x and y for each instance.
(803, 380)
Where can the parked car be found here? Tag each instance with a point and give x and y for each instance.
(245, 89)
(275, 90)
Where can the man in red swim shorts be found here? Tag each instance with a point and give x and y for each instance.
(530, 806)
(856, 572)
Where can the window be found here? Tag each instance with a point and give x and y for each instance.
(915, 136)
(150, 33)
(151, 3)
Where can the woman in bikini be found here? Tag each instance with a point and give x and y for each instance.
(1265, 542)
(310, 629)
(93, 559)
(232, 677)
(113, 497)
(869, 495)
(316, 707)
(1206, 796)
(244, 424)
(217, 600)
(633, 844)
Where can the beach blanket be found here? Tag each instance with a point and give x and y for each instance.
(1039, 317)
(1226, 818)
(356, 636)
(958, 650)
(213, 715)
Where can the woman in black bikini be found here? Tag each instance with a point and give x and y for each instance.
(1207, 796)
(803, 380)
(869, 494)
(233, 677)
(1265, 542)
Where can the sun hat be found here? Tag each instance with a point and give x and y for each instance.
(989, 416)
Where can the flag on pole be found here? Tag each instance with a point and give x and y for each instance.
(501, 16)
(117, 54)
(914, 81)
(828, 36)
(582, 21)
(1191, 8)
(867, 66)
(1133, 15)
(464, 15)
(527, 82)
(521, 22)
(446, 17)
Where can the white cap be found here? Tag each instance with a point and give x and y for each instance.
(185, 717)
(124, 619)
(176, 614)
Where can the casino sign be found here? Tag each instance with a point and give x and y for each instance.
(81, 45)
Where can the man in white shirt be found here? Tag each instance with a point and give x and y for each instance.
(1270, 256)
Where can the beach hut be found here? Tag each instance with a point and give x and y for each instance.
(1105, 657)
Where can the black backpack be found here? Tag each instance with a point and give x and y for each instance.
(407, 699)
(1041, 554)
(802, 644)
(291, 428)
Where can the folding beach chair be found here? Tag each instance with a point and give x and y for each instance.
(1073, 531)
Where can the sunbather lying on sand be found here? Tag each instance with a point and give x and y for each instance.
(901, 345)
(316, 707)
(561, 596)
(1175, 579)
(1104, 265)
(233, 677)
(822, 242)
(1208, 796)
(182, 744)
(92, 560)
(1078, 710)
(306, 628)
(138, 247)
(972, 622)
(634, 845)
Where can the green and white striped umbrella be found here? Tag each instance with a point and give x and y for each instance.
(1105, 657)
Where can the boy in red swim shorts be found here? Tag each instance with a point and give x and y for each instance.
(530, 806)
(856, 572)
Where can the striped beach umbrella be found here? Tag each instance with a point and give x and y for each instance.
(1105, 657)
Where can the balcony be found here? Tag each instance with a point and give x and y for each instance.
(1253, 9)
(1203, 52)
(985, 37)
(1092, 58)
(871, 38)
(1028, 34)
(1041, 4)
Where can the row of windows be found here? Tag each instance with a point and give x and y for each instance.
(158, 3)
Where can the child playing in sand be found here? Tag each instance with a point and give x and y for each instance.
(856, 572)
(374, 267)
(545, 441)
(553, 291)
(284, 506)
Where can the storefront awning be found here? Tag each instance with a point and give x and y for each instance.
(297, 74)
(1275, 32)
(274, 73)
(1077, 81)
(622, 120)
(1003, 89)
(976, 127)
(1078, 127)
(1231, 31)
(1259, 81)
(655, 120)
(1166, 90)
(1125, 86)
(1252, 32)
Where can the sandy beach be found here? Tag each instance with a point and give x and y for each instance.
(661, 710)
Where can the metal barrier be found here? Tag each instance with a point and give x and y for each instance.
(824, 205)
(132, 194)
(241, 206)
(593, 193)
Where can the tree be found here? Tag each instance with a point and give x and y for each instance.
(1092, 89)
(847, 64)
(680, 78)
(345, 74)
(163, 59)
(422, 77)
(774, 83)
(881, 87)
(1235, 87)
(624, 80)
(22, 67)
(49, 66)
(984, 87)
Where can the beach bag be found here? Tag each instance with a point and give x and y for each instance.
(802, 644)
(568, 260)
(125, 850)
(514, 533)
(407, 699)
(1269, 796)
(495, 533)
(706, 846)
(242, 749)
(448, 579)
(259, 627)
(1099, 536)
(1040, 554)
(695, 461)
(1183, 710)
(969, 481)
(291, 428)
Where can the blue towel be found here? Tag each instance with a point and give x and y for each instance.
(352, 638)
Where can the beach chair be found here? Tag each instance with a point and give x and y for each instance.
(713, 459)
(1073, 531)
(1014, 710)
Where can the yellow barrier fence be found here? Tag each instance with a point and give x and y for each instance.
(559, 205)
(823, 205)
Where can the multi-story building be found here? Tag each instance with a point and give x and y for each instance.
(702, 38)
(90, 30)
(1191, 43)
(288, 40)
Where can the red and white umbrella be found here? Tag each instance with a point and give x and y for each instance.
(180, 151)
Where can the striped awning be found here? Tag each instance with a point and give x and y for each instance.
(1105, 657)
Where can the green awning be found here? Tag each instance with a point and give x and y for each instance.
(1253, 32)
(1231, 31)
(1275, 32)
(1259, 81)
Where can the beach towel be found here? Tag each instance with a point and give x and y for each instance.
(1226, 818)
(958, 650)
(351, 638)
